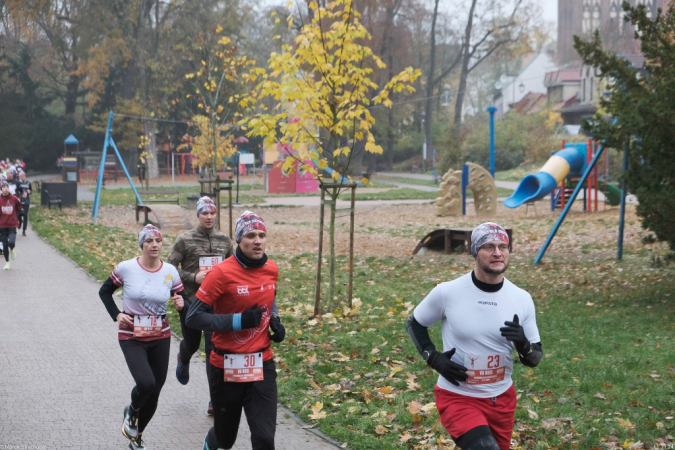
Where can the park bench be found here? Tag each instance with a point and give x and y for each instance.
(155, 196)
(52, 199)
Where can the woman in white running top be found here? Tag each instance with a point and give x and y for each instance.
(148, 284)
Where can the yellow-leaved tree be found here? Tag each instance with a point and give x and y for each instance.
(215, 87)
(315, 97)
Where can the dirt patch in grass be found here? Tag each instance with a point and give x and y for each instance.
(395, 230)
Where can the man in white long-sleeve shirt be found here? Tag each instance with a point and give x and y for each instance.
(483, 317)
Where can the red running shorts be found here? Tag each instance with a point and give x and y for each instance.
(460, 414)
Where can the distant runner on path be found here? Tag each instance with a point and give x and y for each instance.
(9, 206)
(144, 335)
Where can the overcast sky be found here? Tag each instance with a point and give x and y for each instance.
(549, 7)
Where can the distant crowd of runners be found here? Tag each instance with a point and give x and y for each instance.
(14, 205)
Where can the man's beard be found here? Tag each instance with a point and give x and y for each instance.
(487, 269)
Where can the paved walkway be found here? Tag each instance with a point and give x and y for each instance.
(63, 379)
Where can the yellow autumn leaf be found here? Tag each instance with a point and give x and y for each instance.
(405, 437)
(385, 390)
(381, 430)
(318, 415)
(395, 370)
(624, 423)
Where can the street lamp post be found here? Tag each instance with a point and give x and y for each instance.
(492, 110)
(424, 146)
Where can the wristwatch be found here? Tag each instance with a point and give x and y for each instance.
(426, 354)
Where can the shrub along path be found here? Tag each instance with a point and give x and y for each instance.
(64, 379)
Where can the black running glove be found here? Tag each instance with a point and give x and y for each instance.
(279, 330)
(451, 371)
(251, 317)
(514, 332)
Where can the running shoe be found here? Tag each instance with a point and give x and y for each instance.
(209, 409)
(7, 265)
(130, 425)
(12, 253)
(137, 444)
(206, 444)
(182, 372)
(24, 232)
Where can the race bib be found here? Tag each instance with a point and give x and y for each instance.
(206, 262)
(241, 368)
(485, 369)
(147, 326)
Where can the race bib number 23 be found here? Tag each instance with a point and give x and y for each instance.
(485, 369)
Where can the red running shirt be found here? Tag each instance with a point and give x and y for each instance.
(9, 205)
(231, 289)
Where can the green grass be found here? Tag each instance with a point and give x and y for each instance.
(384, 179)
(125, 196)
(518, 173)
(606, 326)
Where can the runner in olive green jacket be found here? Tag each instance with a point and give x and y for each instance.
(194, 253)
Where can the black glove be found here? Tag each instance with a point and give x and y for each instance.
(251, 317)
(514, 332)
(451, 371)
(279, 330)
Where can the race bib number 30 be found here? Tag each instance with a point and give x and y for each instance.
(485, 369)
(147, 326)
(207, 262)
(241, 368)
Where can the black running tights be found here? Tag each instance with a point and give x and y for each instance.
(191, 340)
(258, 399)
(148, 363)
(8, 239)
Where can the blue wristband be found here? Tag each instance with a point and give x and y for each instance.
(236, 322)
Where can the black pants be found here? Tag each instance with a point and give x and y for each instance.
(191, 340)
(258, 399)
(148, 363)
(23, 216)
(8, 239)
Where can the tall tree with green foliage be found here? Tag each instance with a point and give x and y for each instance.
(640, 109)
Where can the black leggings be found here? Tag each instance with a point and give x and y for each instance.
(191, 340)
(257, 398)
(23, 216)
(148, 363)
(8, 239)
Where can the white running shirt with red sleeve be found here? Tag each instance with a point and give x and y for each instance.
(146, 293)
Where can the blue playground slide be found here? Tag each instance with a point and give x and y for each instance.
(570, 160)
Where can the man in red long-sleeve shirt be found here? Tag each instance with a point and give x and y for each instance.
(9, 205)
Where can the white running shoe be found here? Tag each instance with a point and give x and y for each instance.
(12, 253)
(7, 265)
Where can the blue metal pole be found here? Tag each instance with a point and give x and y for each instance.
(568, 205)
(465, 183)
(492, 110)
(99, 181)
(624, 191)
(126, 172)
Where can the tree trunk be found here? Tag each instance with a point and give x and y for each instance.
(148, 126)
(428, 107)
(331, 237)
(464, 74)
(72, 91)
